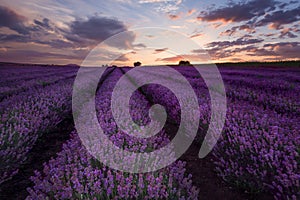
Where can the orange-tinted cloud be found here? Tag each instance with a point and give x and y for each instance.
(175, 16)
(196, 35)
(193, 58)
(191, 11)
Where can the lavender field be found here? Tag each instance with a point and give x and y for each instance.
(256, 157)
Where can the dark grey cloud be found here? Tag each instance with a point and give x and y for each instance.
(80, 34)
(173, 16)
(225, 49)
(280, 50)
(276, 20)
(282, 44)
(139, 45)
(76, 40)
(279, 18)
(245, 27)
(237, 12)
(45, 23)
(97, 28)
(160, 50)
(199, 51)
(12, 20)
(14, 38)
(227, 44)
(269, 51)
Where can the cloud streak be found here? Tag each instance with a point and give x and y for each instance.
(238, 42)
(160, 50)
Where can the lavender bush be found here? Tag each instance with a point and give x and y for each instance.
(22, 122)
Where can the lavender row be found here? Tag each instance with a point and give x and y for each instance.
(11, 74)
(75, 174)
(21, 86)
(273, 94)
(261, 72)
(22, 123)
(259, 151)
(259, 148)
(92, 180)
(27, 115)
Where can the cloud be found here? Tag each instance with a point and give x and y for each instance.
(45, 23)
(280, 50)
(160, 50)
(256, 13)
(238, 42)
(38, 33)
(234, 30)
(287, 32)
(275, 20)
(173, 16)
(172, 59)
(140, 46)
(238, 12)
(165, 6)
(196, 35)
(58, 44)
(97, 28)
(269, 51)
(153, 1)
(123, 41)
(280, 45)
(279, 18)
(225, 49)
(177, 27)
(32, 56)
(76, 39)
(13, 21)
(14, 38)
(191, 11)
(122, 58)
(202, 57)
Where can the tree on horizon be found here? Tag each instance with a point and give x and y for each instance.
(136, 64)
(184, 63)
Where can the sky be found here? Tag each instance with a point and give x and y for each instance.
(153, 32)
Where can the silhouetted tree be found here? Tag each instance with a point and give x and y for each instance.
(136, 64)
(184, 63)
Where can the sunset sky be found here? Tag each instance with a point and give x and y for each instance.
(65, 31)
